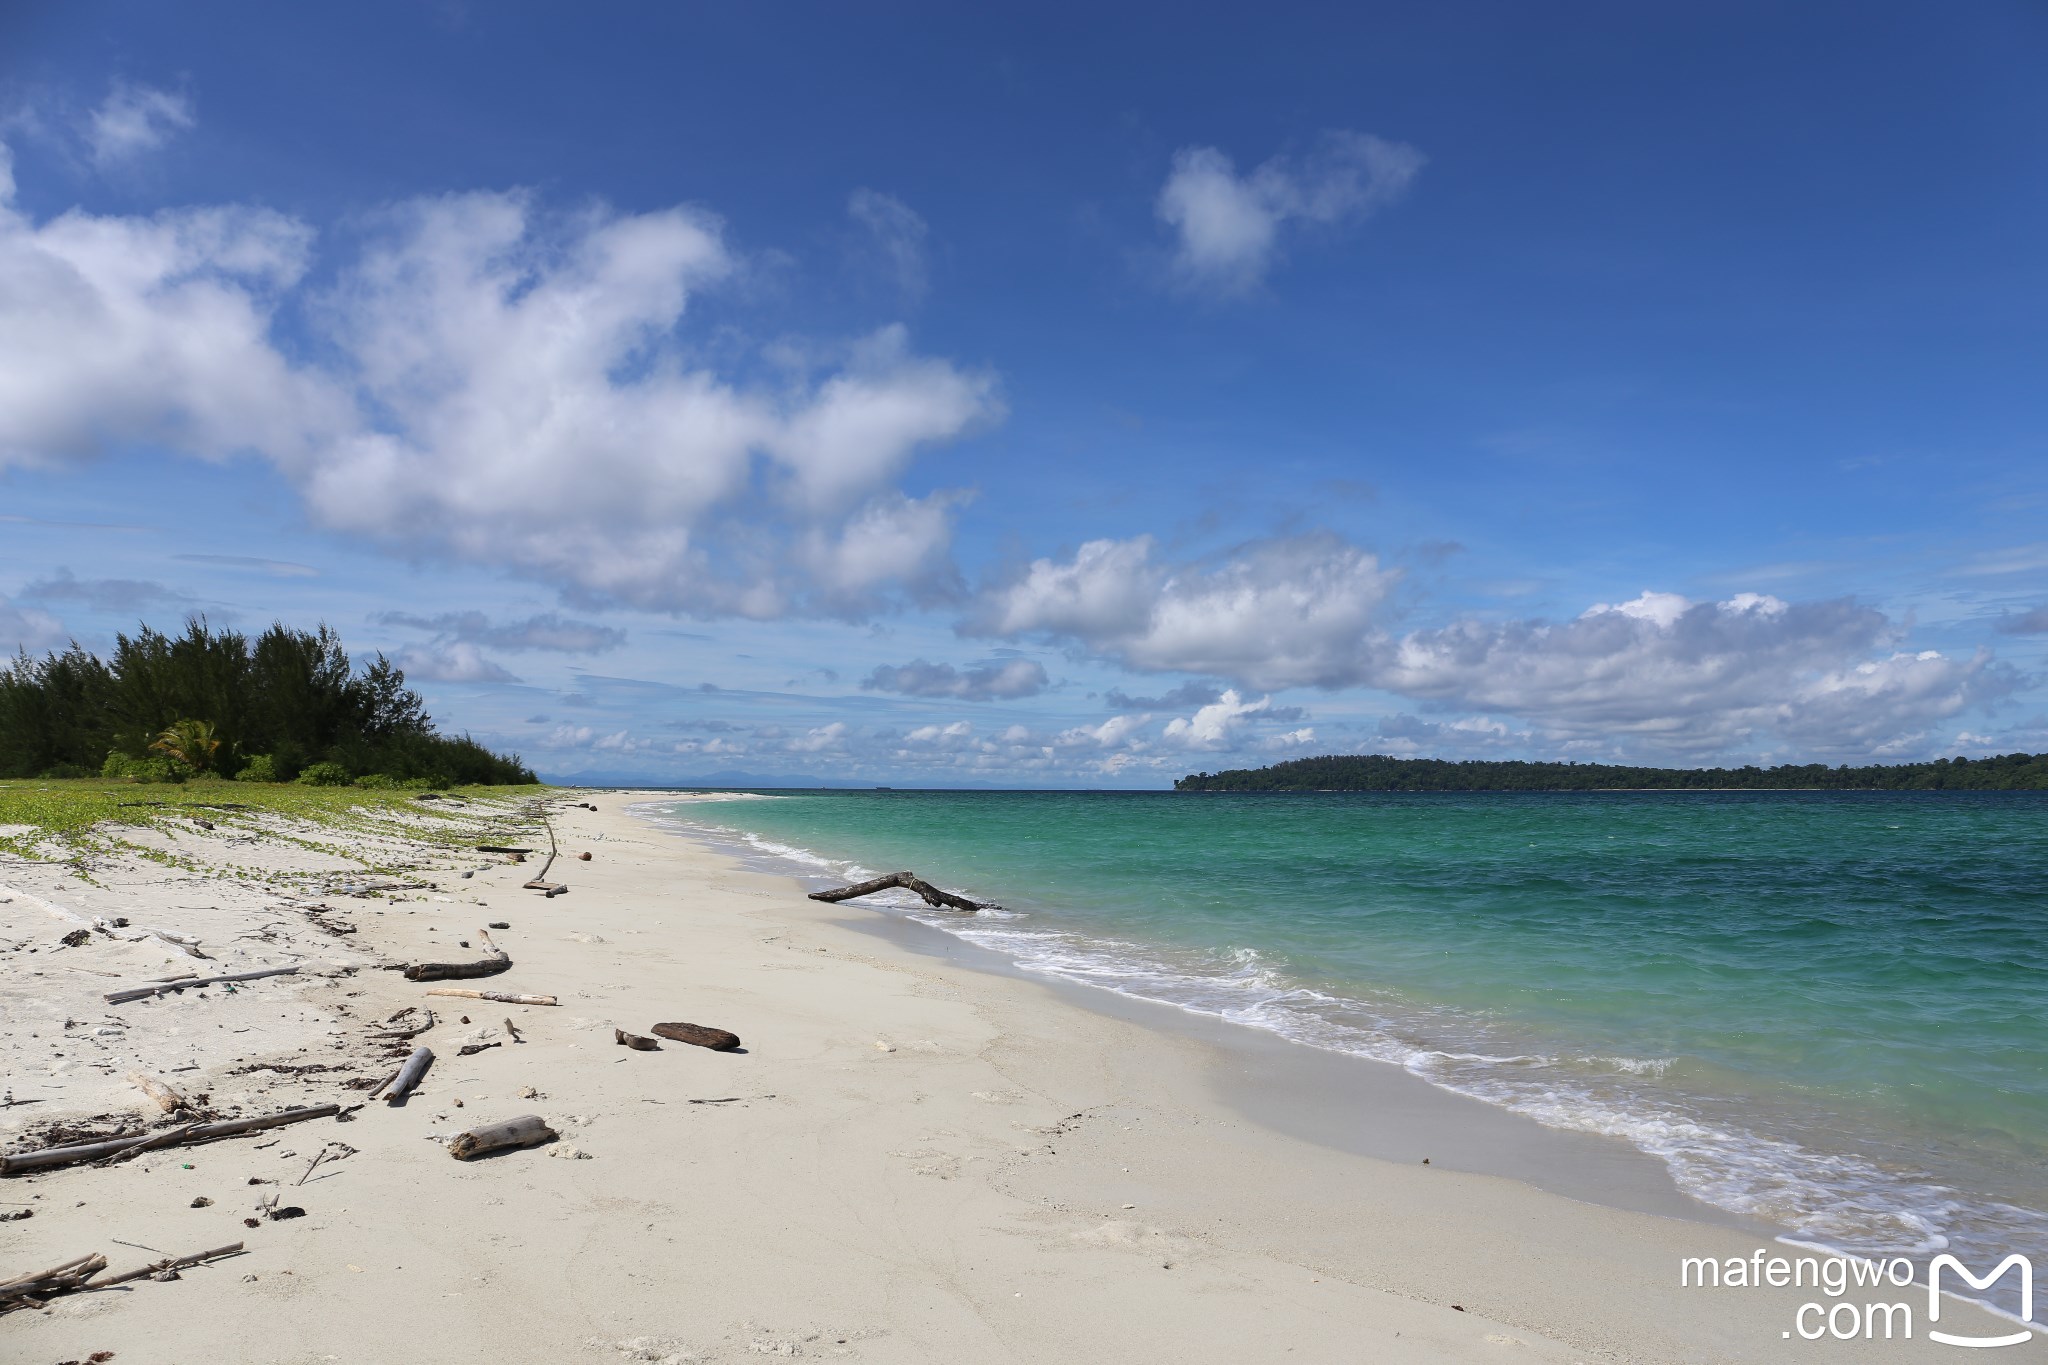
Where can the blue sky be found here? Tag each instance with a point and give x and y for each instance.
(920, 394)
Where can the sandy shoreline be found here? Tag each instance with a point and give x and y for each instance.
(912, 1161)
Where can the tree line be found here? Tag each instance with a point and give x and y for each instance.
(286, 705)
(1382, 773)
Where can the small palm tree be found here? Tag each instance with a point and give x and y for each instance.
(191, 742)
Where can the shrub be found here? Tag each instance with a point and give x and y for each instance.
(259, 768)
(324, 775)
(377, 782)
(121, 768)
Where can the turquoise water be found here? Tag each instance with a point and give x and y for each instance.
(1825, 1011)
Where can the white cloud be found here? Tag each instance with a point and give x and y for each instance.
(452, 661)
(1664, 674)
(1217, 725)
(1009, 680)
(548, 631)
(1289, 612)
(132, 120)
(897, 233)
(499, 385)
(26, 628)
(1227, 227)
(821, 739)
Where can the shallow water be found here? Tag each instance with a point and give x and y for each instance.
(1821, 1010)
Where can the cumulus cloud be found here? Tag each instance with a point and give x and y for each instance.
(897, 233)
(452, 661)
(1187, 694)
(1290, 612)
(26, 628)
(101, 594)
(1217, 725)
(548, 630)
(133, 120)
(1665, 673)
(497, 383)
(1227, 226)
(1006, 681)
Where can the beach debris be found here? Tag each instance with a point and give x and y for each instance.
(528, 1130)
(144, 992)
(131, 1145)
(634, 1041)
(332, 1151)
(908, 881)
(501, 848)
(512, 1031)
(28, 1290)
(407, 1078)
(167, 1096)
(471, 1049)
(200, 1202)
(495, 961)
(569, 1152)
(500, 924)
(502, 997)
(583, 857)
(420, 1022)
(77, 938)
(697, 1035)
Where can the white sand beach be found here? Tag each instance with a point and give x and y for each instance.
(911, 1160)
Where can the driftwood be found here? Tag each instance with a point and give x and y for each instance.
(634, 1041)
(500, 848)
(78, 1274)
(56, 1280)
(512, 1032)
(471, 1049)
(539, 881)
(502, 997)
(186, 1136)
(717, 1039)
(168, 1097)
(411, 1028)
(144, 992)
(529, 1130)
(908, 881)
(407, 1077)
(498, 961)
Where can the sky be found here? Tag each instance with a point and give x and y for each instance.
(930, 395)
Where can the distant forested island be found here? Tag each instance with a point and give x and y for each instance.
(285, 706)
(1381, 773)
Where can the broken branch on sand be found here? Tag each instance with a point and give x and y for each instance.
(717, 1039)
(78, 1274)
(167, 1096)
(908, 881)
(502, 997)
(144, 992)
(497, 961)
(634, 1041)
(176, 1137)
(408, 1077)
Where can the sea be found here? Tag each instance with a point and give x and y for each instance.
(1827, 1012)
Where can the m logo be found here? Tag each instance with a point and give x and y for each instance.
(2026, 1269)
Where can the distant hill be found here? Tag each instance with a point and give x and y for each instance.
(1381, 773)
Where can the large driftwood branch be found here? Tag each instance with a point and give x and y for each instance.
(717, 1039)
(529, 1130)
(167, 1096)
(409, 1075)
(78, 1274)
(176, 1137)
(908, 881)
(497, 961)
(144, 992)
(502, 997)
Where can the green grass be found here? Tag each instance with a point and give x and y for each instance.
(72, 821)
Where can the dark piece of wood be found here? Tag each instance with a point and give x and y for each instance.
(500, 848)
(144, 992)
(409, 1075)
(528, 1130)
(170, 1137)
(908, 881)
(498, 961)
(471, 1049)
(717, 1039)
(634, 1041)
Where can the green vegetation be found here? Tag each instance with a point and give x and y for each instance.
(1380, 773)
(80, 822)
(285, 705)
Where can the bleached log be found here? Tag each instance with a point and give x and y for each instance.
(176, 1137)
(528, 1130)
(634, 1041)
(169, 1263)
(908, 881)
(502, 997)
(144, 992)
(409, 1075)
